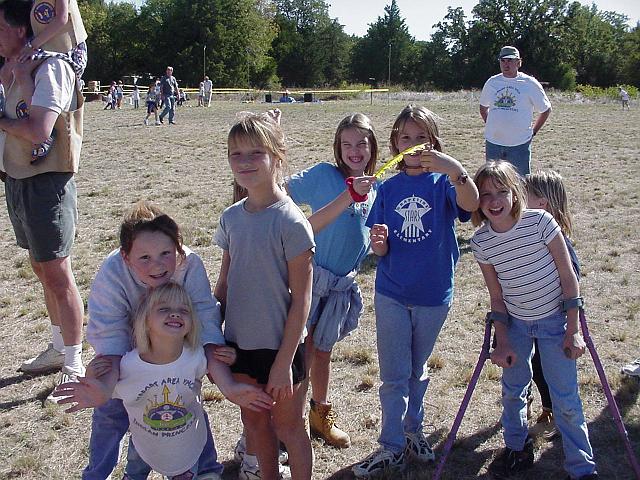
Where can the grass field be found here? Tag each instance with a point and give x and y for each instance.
(183, 168)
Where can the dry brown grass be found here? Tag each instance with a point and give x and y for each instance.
(183, 168)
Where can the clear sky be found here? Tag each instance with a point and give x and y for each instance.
(421, 15)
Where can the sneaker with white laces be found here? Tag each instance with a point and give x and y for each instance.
(379, 461)
(241, 447)
(632, 369)
(47, 361)
(249, 469)
(418, 447)
(65, 376)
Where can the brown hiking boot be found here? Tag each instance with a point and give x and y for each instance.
(322, 424)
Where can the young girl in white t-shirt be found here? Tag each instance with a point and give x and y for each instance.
(264, 287)
(159, 384)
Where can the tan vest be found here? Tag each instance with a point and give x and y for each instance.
(64, 156)
(44, 11)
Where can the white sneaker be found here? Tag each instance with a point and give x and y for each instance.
(379, 461)
(47, 361)
(632, 369)
(146, 122)
(418, 446)
(157, 123)
(210, 476)
(64, 376)
(241, 447)
(250, 470)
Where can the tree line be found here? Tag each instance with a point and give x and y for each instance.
(295, 43)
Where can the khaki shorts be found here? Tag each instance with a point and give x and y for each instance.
(44, 212)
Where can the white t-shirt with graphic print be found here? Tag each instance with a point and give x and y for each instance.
(511, 103)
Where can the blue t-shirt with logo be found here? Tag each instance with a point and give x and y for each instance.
(341, 245)
(420, 212)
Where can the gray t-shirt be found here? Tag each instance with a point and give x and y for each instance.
(260, 244)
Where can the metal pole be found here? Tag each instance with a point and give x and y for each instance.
(389, 77)
(204, 62)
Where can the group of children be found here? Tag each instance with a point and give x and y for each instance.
(286, 304)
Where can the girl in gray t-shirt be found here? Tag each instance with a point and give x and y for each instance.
(265, 290)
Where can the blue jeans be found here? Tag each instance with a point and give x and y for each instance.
(109, 423)
(169, 107)
(561, 375)
(519, 156)
(406, 335)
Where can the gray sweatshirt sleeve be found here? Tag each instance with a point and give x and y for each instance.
(110, 306)
(207, 308)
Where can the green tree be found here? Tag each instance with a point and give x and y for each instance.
(595, 44)
(630, 64)
(311, 49)
(387, 42)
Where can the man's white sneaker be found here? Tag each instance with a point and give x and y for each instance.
(632, 369)
(249, 469)
(418, 447)
(65, 376)
(46, 361)
(378, 462)
(241, 447)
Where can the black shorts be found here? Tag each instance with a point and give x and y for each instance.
(257, 363)
(151, 107)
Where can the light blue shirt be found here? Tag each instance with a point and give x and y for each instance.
(341, 245)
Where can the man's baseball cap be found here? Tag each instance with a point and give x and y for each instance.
(509, 52)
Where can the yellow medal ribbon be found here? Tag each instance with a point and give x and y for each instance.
(395, 160)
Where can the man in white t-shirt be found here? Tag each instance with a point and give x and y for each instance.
(41, 195)
(208, 87)
(507, 103)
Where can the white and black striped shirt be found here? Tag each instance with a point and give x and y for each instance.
(526, 271)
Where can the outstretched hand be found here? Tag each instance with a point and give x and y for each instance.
(248, 396)
(85, 393)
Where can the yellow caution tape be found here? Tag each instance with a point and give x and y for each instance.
(398, 158)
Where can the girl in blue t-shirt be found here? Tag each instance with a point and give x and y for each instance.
(342, 241)
(413, 232)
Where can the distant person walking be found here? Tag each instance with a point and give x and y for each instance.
(208, 87)
(507, 103)
(624, 98)
(169, 89)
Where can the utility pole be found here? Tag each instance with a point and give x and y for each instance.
(204, 61)
(389, 77)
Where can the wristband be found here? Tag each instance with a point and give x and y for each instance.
(355, 195)
(499, 317)
(569, 303)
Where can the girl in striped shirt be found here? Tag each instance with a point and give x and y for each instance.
(534, 295)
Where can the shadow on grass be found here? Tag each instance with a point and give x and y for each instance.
(14, 380)
(608, 446)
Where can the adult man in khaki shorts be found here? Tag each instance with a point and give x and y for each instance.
(41, 193)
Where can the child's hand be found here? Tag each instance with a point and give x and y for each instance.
(26, 53)
(248, 396)
(503, 356)
(85, 393)
(98, 367)
(573, 345)
(379, 234)
(362, 185)
(275, 114)
(437, 162)
(225, 354)
(280, 385)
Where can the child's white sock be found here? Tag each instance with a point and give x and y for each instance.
(56, 338)
(73, 358)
